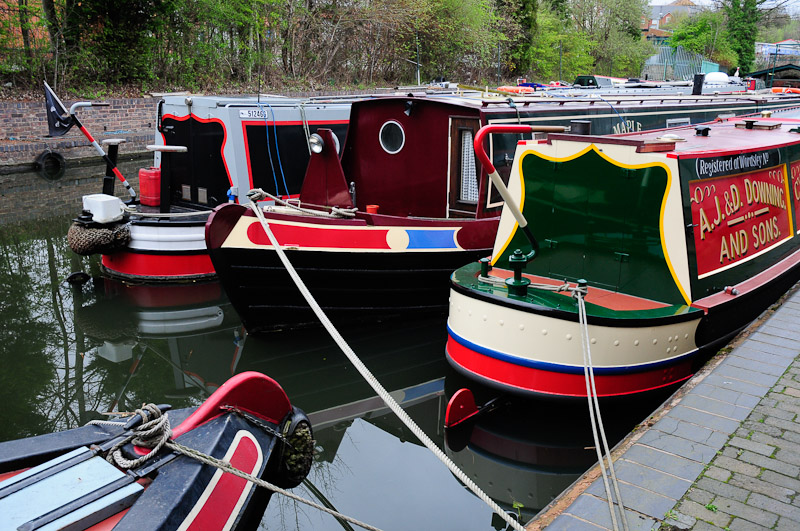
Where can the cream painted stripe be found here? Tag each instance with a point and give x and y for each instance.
(744, 260)
(241, 434)
(539, 338)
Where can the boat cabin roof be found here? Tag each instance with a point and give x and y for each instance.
(735, 135)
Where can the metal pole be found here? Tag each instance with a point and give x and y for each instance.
(559, 59)
(498, 62)
(417, 37)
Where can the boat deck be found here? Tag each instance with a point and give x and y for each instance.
(722, 451)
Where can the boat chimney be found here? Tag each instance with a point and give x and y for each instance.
(697, 86)
(580, 127)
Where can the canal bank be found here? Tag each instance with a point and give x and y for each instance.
(722, 453)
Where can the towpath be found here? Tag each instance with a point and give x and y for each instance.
(722, 453)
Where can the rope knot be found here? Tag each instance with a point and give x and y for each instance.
(153, 433)
(256, 194)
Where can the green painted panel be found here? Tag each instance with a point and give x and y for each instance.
(467, 276)
(598, 221)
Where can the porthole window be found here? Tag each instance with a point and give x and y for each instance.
(392, 137)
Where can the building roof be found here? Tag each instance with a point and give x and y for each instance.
(777, 69)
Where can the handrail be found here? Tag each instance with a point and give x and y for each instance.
(511, 203)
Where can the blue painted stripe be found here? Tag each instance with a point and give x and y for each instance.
(431, 239)
(566, 369)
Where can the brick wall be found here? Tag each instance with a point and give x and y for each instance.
(23, 129)
(28, 196)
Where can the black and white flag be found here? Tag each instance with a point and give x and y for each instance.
(58, 120)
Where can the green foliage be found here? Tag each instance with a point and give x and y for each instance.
(559, 53)
(91, 46)
(743, 17)
(705, 34)
(614, 26)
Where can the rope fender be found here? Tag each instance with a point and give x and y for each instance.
(86, 240)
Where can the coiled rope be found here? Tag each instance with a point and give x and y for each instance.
(257, 194)
(579, 293)
(379, 389)
(155, 433)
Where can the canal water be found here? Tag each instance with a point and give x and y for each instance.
(71, 352)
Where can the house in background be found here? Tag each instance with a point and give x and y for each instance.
(662, 15)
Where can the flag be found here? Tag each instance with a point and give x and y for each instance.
(58, 120)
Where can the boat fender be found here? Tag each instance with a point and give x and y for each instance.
(232, 193)
(296, 450)
(87, 239)
(50, 165)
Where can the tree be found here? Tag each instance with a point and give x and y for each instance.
(614, 26)
(559, 52)
(743, 17)
(707, 35)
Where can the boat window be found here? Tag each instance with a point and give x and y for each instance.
(675, 122)
(392, 137)
(469, 176)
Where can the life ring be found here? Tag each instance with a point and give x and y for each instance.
(50, 165)
(516, 90)
(785, 90)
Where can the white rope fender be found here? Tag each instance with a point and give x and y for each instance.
(594, 408)
(379, 389)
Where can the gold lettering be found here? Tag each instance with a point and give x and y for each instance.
(704, 225)
(723, 251)
(748, 191)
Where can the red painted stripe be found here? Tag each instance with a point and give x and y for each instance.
(517, 377)
(206, 120)
(317, 236)
(86, 133)
(222, 501)
(159, 265)
(160, 296)
(296, 122)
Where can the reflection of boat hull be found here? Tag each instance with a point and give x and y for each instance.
(670, 275)
(72, 485)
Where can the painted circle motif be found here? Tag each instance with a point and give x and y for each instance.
(397, 239)
(392, 137)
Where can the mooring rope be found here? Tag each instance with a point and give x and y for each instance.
(579, 293)
(260, 194)
(227, 467)
(306, 129)
(156, 433)
(365, 372)
(133, 210)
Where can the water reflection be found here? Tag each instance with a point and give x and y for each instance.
(71, 352)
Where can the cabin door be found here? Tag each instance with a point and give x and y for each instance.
(463, 186)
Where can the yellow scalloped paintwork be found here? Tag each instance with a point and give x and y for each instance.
(593, 147)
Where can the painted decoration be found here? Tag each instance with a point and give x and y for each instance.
(736, 217)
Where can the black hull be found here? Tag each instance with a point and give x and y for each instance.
(349, 287)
